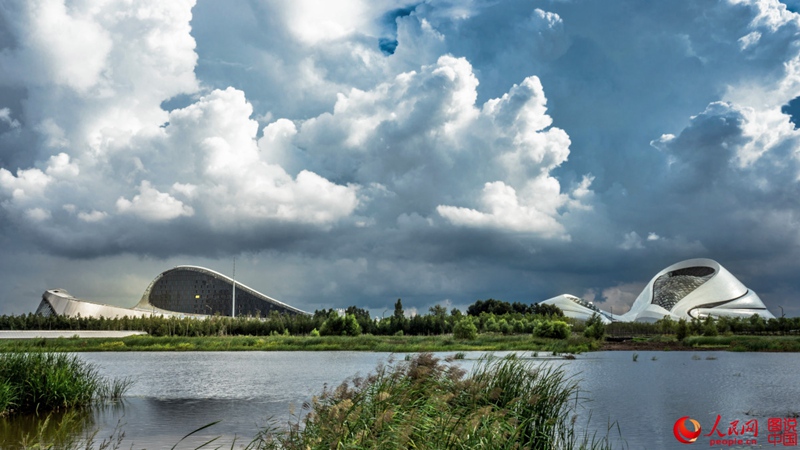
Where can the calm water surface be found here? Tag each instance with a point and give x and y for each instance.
(175, 393)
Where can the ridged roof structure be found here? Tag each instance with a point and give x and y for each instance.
(185, 291)
(695, 288)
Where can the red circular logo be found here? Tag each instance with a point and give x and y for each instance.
(682, 432)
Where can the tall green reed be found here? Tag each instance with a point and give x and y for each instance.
(48, 381)
(426, 404)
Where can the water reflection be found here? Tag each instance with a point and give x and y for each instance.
(57, 429)
(176, 393)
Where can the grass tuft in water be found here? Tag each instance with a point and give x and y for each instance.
(39, 382)
(425, 404)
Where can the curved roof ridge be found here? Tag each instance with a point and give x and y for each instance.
(240, 284)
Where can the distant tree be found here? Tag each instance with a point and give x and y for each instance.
(336, 325)
(682, 329)
(437, 322)
(398, 309)
(465, 329)
(757, 324)
(709, 327)
(399, 321)
(595, 328)
(543, 309)
(364, 320)
(438, 311)
(520, 308)
(490, 306)
(351, 326)
(555, 329)
(667, 325)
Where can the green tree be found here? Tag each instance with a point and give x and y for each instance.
(398, 310)
(351, 326)
(595, 328)
(541, 309)
(682, 330)
(336, 325)
(709, 327)
(667, 325)
(465, 329)
(555, 329)
(399, 322)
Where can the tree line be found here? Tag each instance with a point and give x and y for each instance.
(483, 316)
(709, 326)
(489, 316)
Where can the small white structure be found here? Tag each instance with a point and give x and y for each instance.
(691, 289)
(578, 308)
(58, 302)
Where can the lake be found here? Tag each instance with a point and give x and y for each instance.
(175, 393)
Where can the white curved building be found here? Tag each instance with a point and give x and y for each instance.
(58, 302)
(695, 288)
(578, 308)
(183, 291)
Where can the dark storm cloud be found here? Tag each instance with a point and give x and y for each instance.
(511, 149)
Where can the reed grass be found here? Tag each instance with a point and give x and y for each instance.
(38, 382)
(426, 404)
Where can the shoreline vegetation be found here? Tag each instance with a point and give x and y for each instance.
(40, 382)
(424, 403)
(420, 402)
(388, 344)
(574, 344)
(487, 325)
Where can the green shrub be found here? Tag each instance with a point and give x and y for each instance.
(465, 329)
(555, 329)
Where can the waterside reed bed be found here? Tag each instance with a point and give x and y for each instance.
(39, 382)
(426, 404)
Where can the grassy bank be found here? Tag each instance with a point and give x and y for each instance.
(48, 381)
(746, 343)
(404, 344)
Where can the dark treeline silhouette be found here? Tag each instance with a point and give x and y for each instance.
(487, 316)
(499, 308)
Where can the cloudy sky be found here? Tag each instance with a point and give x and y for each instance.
(353, 152)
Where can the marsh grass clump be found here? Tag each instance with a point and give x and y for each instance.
(426, 404)
(48, 381)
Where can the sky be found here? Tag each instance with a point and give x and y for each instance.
(353, 152)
